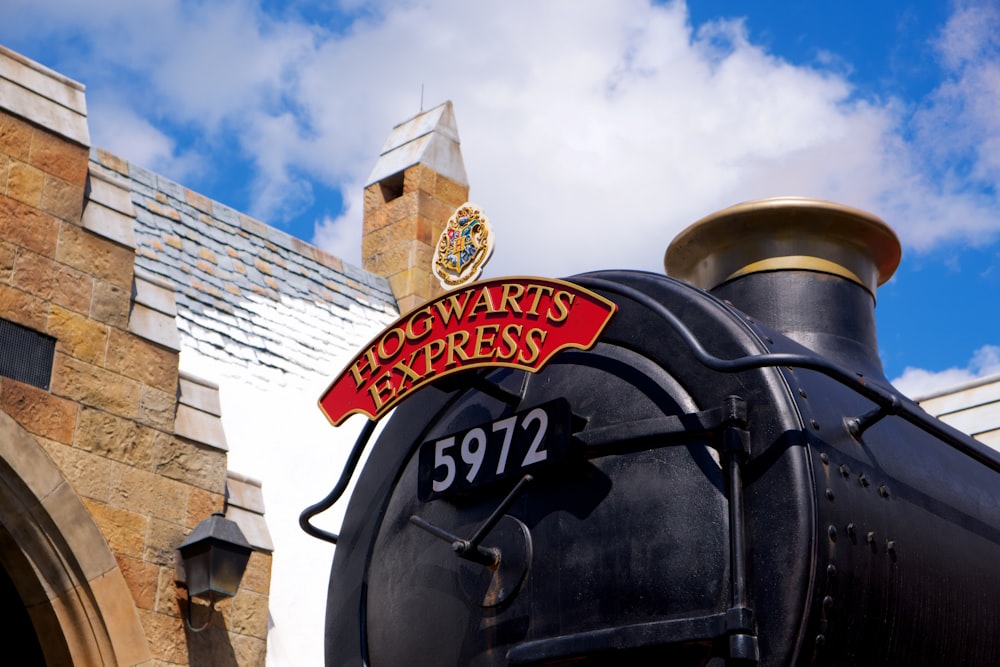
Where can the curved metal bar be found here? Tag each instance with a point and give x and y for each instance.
(888, 401)
(338, 490)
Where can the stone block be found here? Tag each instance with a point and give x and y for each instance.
(155, 326)
(24, 183)
(38, 411)
(166, 637)
(62, 199)
(162, 539)
(137, 358)
(201, 466)
(248, 651)
(58, 157)
(155, 292)
(116, 438)
(249, 614)
(110, 224)
(157, 408)
(15, 137)
(90, 475)
(78, 335)
(37, 469)
(95, 386)
(142, 579)
(28, 227)
(94, 254)
(254, 528)
(168, 593)
(110, 304)
(451, 193)
(124, 531)
(53, 281)
(258, 573)
(130, 647)
(23, 308)
(82, 537)
(111, 192)
(43, 97)
(201, 505)
(200, 394)
(149, 494)
(201, 427)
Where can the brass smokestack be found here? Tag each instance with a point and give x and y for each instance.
(805, 267)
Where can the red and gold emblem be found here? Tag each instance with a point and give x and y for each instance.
(464, 247)
(514, 322)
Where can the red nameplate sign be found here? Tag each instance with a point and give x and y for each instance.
(515, 322)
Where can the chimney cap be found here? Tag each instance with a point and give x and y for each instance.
(785, 233)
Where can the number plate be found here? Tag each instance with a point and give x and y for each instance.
(500, 449)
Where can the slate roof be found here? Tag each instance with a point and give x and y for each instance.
(247, 293)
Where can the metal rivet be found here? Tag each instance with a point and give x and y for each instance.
(768, 339)
(890, 547)
(863, 480)
(824, 458)
(831, 570)
(870, 539)
(829, 494)
(820, 640)
(802, 393)
(827, 602)
(883, 490)
(832, 532)
(852, 533)
(814, 424)
(844, 470)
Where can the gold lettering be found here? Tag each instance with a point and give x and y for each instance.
(509, 301)
(483, 339)
(510, 340)
(483, 301)
(426, 318)
(381, 391)
(431, 351)
(537, 290)
(455, 348)
(407, 372)
(457, 306)
(359, 372)
(562, 300)
(400, 337)
(533, 346)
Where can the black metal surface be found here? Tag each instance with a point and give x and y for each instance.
(26, 355)
(820, 518)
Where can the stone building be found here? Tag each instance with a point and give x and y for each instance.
(150, 339)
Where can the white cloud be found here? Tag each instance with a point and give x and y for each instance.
(919, 382)
(119, 129)
(592, 144)
(590, 137)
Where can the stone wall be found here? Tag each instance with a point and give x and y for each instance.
(108, 421)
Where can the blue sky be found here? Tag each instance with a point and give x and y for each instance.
(590, 137)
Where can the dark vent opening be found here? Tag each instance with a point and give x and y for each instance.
(26, 355)
(392, 187)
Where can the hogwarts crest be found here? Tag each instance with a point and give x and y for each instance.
(464, 247)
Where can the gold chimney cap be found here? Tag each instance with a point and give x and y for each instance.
(785, 233)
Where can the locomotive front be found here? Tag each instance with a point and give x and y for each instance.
(718, 478)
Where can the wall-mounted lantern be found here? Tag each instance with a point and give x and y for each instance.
(213, 557)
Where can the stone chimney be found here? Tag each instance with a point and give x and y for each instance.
(416, 185)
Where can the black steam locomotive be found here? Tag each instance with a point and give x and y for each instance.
(725, 478)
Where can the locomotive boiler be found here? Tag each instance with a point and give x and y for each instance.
(721, 476)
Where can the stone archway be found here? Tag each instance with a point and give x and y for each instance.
(60, 563)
